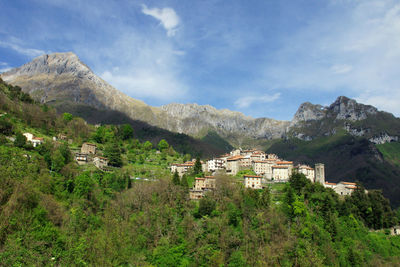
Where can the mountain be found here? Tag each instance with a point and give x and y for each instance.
(311, 121)
(61, 79)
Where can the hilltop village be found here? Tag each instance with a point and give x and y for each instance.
(268, 168)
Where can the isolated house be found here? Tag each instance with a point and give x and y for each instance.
(33, 139)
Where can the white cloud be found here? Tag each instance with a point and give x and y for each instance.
(341, 68)
(167, 17)
(31, 52)
(147, 84)
(246, 101)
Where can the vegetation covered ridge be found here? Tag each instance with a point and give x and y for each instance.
(54, 211)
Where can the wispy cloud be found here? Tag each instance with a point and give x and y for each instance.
(147, 68)
(167, 17)
(30, 52)
(4, 66)
(247, 101)
(341, 68)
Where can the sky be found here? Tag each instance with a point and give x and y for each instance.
(260, 57)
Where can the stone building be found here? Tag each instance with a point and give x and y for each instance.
(307, 171)
(33, 139)
(233, 165)
(215, 164)
(201, 186)
(395, 230)
(81, 158)
(282, 170)
(182, 168)
(100, 162)
(342, 188)
(88, 148)
(319, 173)
(253, 181)
(257, 155)
(264, 167)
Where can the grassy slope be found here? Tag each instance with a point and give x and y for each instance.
(391, 152)
(346, 158)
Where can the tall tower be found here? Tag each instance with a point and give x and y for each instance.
(319, 173)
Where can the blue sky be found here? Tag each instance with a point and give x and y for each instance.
(263, 58)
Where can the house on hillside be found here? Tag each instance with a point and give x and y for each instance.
(395, 230)
(201, 186)
(100, 162)
(342, 188)
(233, 165)
(88, 148)
(81, 159)
(33, 139)
(182, 168)
(307, 171)
(253, 181)
(264, 167)
(215, 164)
(282, 170)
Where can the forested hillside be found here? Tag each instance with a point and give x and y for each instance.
(56, 212)
(349, 158)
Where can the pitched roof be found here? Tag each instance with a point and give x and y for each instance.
(348, 183)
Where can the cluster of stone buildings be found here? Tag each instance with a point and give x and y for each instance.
(88, 154)
(269, 168)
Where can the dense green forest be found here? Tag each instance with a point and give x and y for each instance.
(55, 212)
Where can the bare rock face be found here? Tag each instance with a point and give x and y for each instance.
(308, 112)
(192, 117)
(348, 109)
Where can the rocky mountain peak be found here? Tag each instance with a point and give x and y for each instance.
(57, 63)
(308, 112)
(348, 109)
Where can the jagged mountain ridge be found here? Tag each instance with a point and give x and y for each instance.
(311, 121)
(61, 78)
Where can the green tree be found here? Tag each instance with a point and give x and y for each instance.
(184, 181)
(113, 152)
(58, 161)
(66, 153)
(67, 117)
(126, 131)
(298, 181)
(84, 184)
(175, 179)
(147, 146)
(20, 140)
(197, 169)
(163, 145)
(206, 207)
